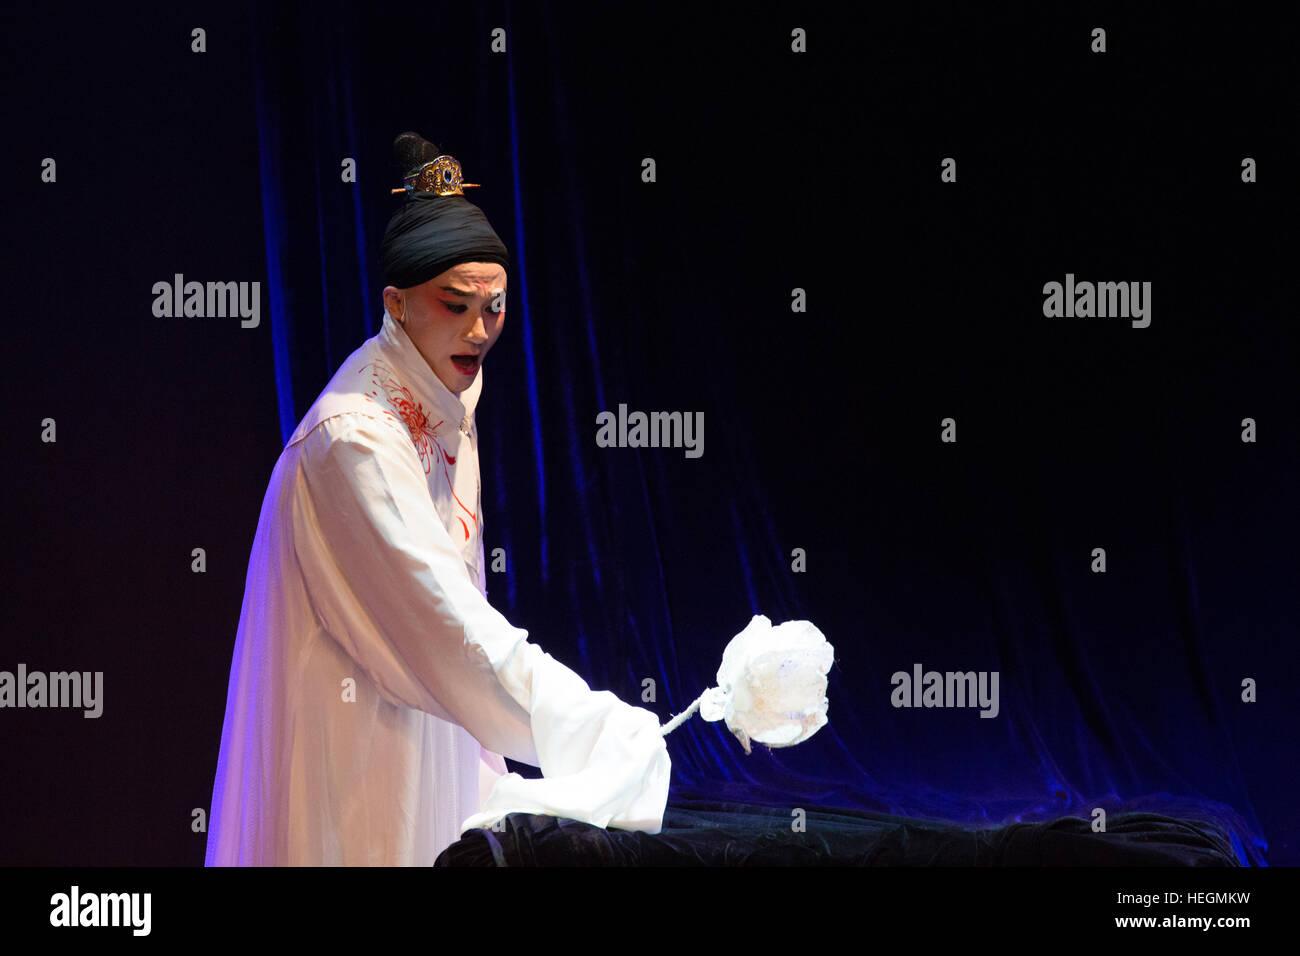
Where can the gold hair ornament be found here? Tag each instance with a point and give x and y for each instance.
(441, 176)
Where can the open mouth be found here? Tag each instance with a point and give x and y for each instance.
(468, 364)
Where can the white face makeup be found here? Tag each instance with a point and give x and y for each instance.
(451, 319)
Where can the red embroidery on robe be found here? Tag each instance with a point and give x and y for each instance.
(412, 414)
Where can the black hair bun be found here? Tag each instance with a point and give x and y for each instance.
(411, 150)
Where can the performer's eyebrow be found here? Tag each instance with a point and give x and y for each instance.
(464, 293)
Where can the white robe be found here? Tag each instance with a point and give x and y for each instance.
(373, 688)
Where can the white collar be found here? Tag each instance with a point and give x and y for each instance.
(456, 411)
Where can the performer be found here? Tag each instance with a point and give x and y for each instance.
(373, 688)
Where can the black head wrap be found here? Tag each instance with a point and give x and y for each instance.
(432, 233)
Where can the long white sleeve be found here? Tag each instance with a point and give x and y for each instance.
(388, 584)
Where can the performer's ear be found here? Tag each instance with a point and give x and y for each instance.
(395, 303)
